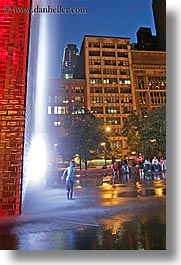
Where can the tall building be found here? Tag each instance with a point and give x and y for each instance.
(105, 63)
(146, 41)
(14, 39)
(159, 13)
(69, 61)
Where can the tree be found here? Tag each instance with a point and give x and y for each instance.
(131, 130)
(84, 136)
(153, 132)
(147, 134)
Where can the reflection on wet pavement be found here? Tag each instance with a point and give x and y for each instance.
(120, 232)
(91, 221)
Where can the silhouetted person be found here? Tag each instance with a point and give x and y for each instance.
(68, 175)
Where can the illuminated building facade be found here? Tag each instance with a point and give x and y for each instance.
(14, 39)
(105, 63)
(65, 96)
(149, 78)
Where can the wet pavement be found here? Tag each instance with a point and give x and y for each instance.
(127, 215)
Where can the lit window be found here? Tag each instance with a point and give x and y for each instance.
(57, 123)
(59, 110)
(49, 110)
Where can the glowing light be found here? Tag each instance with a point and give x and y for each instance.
(37, 155)
(37, 160)
(159, 192)
(42, 75)
(108, 129)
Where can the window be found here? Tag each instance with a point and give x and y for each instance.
(126, 109)
(109, 62)
(78, 99)
(57, 123)
(49, 99)
(123, 54)
(97, 110)
(111, 90)
(95, 71)
(94, 62)
(142, 98)
(123, 72)
(113, 121)
(110, 80)
(63, 89)
(94, 53)
(94, 44)
(157, 83)
(59, 110)
(141, 83)
(126, 89)
(123, 63)
(124, 81)
(112, 110)
(111, 99)
(126, 99)
(108, 45)
(49, 110)
(121, 46)
(96, 99)
(108, 71)
(77, 89)
(95, 80)
(108, 54)
(96, 90)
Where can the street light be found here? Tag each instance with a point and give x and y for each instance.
(153, 140)
(104, 145)
(108, 129)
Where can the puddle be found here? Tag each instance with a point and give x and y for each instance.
(143, 193)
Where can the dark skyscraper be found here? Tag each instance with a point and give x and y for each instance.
(69, 61)
(159, 13)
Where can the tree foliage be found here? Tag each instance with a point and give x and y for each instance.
(84, 135)
(147, 134)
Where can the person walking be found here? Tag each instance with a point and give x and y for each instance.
(68, 176)
(140, 162)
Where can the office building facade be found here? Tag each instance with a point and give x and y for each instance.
(105, 63)
(149, 79)
(66, 97)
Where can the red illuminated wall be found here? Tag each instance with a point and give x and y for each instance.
(14, 36)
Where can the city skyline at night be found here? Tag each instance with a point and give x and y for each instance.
(118, 19)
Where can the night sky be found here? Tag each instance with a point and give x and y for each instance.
(119, 18)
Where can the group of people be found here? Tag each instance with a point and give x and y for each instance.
(151, 165)
(144, 165)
